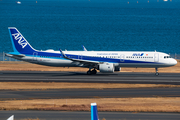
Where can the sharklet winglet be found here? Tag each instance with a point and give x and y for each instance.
(84, 48)
(63, 55)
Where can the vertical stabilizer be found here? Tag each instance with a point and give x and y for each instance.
(94, 112)
(11, 118)
(20, 44)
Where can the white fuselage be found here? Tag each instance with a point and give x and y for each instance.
(118, 58)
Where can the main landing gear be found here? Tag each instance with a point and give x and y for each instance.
(156, 72)
(93, 72)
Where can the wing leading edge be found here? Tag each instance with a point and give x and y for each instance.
(85, 62)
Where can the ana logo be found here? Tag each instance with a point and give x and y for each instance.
(138, 54)
(20, 40)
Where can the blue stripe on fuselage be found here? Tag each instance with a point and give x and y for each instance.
(88, 58)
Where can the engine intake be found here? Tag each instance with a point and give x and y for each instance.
(106, 68)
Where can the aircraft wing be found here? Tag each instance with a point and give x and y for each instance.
(85, 62)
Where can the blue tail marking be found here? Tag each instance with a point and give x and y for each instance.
(94, 112)
(20, 44)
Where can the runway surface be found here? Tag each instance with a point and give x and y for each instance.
(36, 76)
(57, 115)
(91, 93)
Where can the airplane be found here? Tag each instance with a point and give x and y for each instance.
(94, 112)
(104, 61)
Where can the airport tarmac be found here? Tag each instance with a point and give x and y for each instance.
(66, 115)
(119, 77)
(90, 93)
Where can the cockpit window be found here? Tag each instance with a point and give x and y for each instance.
(166, 57)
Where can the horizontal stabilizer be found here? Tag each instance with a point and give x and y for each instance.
(11, 55)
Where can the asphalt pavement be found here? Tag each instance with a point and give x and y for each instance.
(90, 93)
(120, 77)
(36, 76)
(66, 115)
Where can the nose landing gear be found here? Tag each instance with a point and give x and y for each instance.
(156, 72)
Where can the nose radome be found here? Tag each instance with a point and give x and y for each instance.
(174, 62)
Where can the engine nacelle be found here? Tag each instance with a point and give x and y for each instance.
(117, 68)
(106, 68)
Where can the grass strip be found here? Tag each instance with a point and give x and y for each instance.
(149, 104)
(64, 85)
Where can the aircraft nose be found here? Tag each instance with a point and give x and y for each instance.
(174, 62)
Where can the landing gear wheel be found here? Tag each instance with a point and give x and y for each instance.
(89, 73)
(156, 72)
(93, 71)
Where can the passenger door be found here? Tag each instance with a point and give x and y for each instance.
(122, 58)
(80, 57)
(35, 56)
(156, 57)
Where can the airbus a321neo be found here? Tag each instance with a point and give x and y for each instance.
(104, 61)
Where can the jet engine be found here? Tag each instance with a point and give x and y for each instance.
(106, 68)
